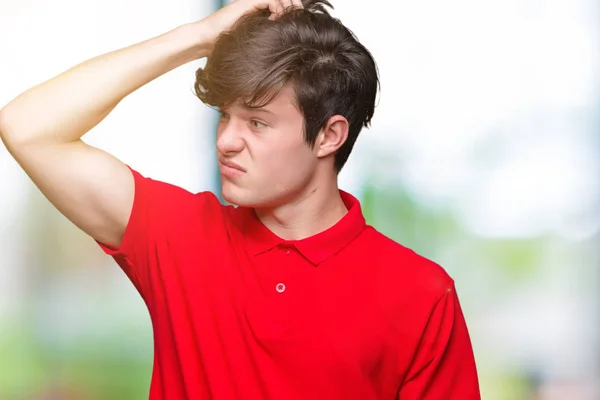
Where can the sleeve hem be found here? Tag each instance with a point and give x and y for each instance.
(129, 241)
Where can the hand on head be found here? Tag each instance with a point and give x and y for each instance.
(226, 17)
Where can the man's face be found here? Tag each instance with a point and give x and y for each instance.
(263, 158)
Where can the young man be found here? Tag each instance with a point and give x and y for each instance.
(290, 295)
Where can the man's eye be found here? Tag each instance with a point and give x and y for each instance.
(224, 116)
(258, 124)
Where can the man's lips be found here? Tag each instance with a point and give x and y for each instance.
(231, 164)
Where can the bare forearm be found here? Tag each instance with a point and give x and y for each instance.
(64, 108)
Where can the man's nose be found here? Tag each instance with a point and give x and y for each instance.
(229, 137)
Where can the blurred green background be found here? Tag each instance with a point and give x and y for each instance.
(483, 156)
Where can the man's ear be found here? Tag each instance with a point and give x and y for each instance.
(332, 136)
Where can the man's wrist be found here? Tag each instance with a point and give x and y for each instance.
(199, 38)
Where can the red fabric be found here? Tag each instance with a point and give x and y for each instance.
(239, 313)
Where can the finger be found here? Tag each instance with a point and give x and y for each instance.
(274, 7)
(280, 7)
(297, 3)
(286, 4)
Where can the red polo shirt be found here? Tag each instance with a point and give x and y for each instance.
(239, 313)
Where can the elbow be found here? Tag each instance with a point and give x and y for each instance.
(3, 127)
(9, 135)
(6, 133)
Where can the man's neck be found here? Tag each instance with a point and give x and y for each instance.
(313, 211)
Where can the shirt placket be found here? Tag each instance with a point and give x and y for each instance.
(280, 282)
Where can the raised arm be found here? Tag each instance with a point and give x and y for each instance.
(42, 127)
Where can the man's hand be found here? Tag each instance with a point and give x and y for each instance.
(224, 19)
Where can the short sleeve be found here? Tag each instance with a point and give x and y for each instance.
(444, 365)
(158, 213)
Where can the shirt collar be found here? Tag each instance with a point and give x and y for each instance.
(316, 248)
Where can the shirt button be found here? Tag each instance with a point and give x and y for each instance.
(280, 288)
(287, 251)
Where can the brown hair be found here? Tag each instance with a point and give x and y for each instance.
(331, 72)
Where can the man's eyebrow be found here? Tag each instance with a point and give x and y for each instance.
(259, 109)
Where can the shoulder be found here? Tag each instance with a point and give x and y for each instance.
(408, 286)
(174, 202)
(403, 271)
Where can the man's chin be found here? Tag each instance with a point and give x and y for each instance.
(251, 198)
(236, 196)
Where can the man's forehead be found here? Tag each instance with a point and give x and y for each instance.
(283, 98)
